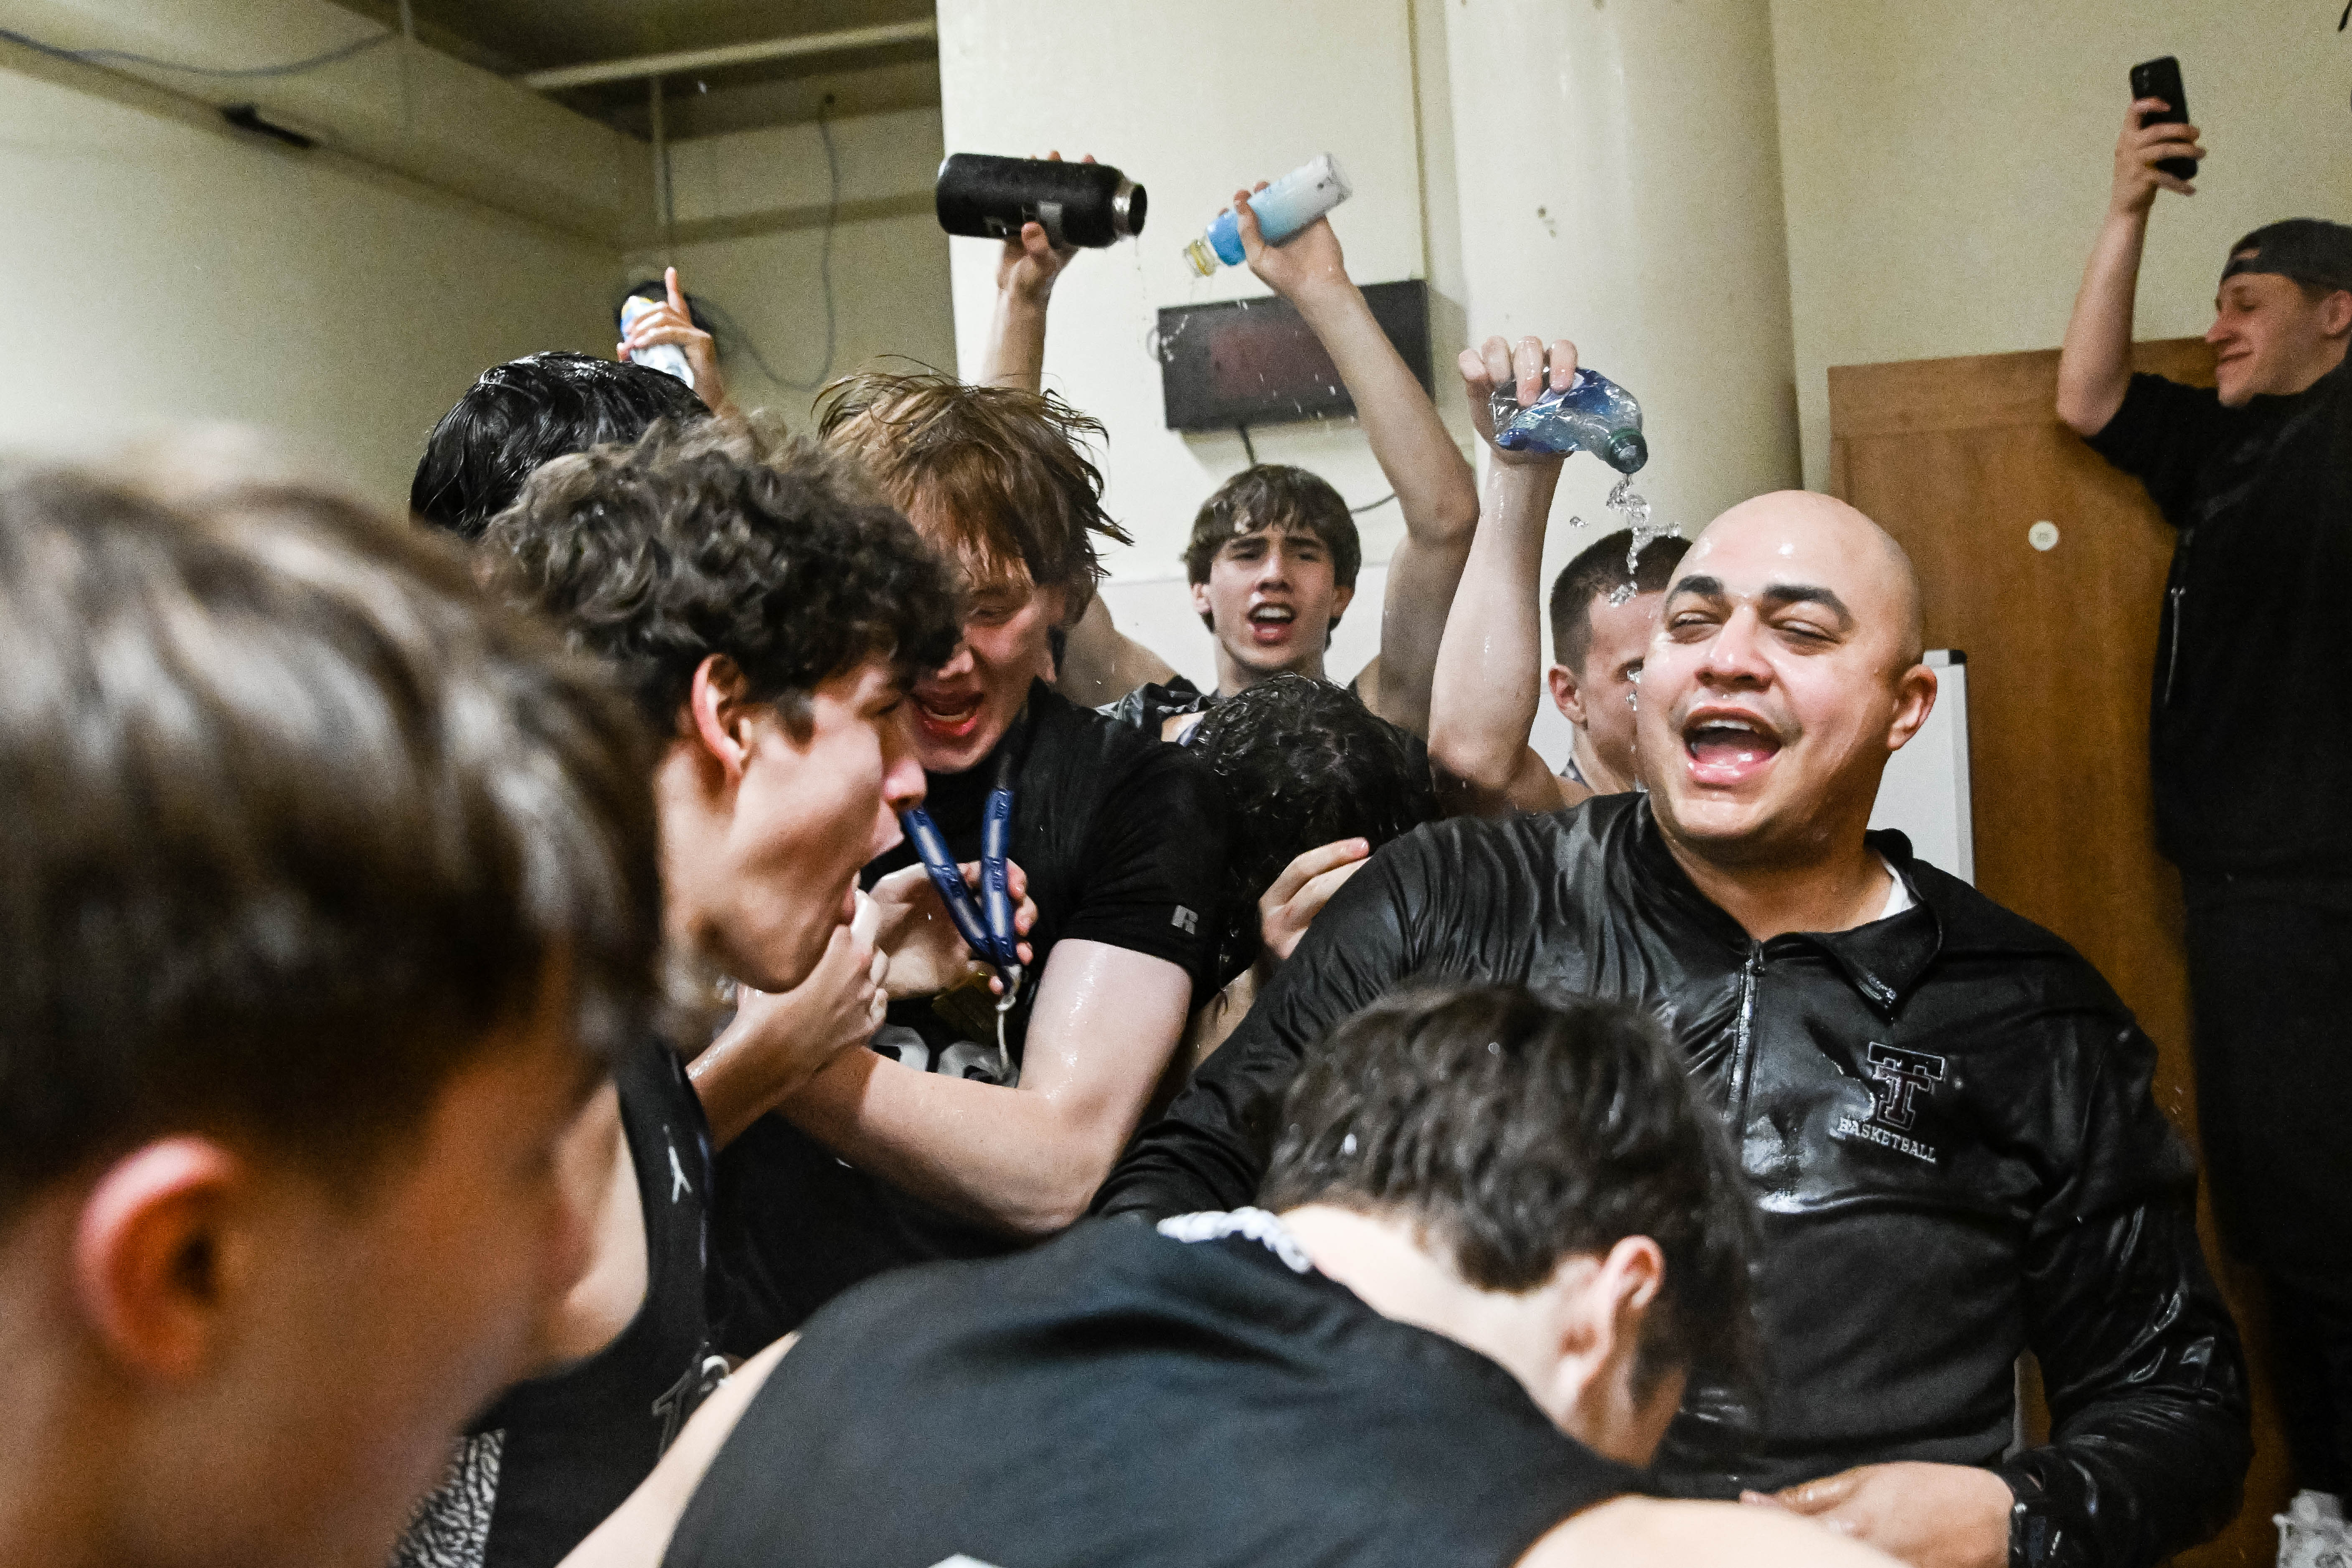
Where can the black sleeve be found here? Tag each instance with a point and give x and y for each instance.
(2149, 1434)
(1211, 1148)
(1154, 859)
(2162, 436)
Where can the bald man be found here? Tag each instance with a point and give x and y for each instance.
(1942, 1111)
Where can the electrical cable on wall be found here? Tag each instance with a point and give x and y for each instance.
(1249, 450)
(733, 330)
(232, 73)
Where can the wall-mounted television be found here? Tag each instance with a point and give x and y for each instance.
(1254, 361)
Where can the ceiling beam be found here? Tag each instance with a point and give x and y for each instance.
(684, 60)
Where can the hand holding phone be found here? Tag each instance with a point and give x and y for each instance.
(2161, 79)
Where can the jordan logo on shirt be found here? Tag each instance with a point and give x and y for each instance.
(1898, 1078)
(677, 1183)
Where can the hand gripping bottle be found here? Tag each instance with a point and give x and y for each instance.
(1594, 415)
(667, 358)
(1283, 208)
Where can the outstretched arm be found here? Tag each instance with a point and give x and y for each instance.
(1025, 1159)
(1434, 487)
(2095, 365)
(1488, 679)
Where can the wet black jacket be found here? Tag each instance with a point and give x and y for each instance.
(1946, 1121)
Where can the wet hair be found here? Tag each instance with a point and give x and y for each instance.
(1514, 1131)
(522, 413)
(300, 823)
(1598, 571)
(1003, 474)
(1277, 498)
(1303, 762)
(725, 537)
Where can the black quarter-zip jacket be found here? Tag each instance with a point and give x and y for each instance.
(1946, 1120)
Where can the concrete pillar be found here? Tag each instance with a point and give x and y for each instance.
(1617, 165)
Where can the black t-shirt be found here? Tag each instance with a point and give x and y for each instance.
(1194, 1394)
(1122, 838)
(2250, 727)
(543, 1466)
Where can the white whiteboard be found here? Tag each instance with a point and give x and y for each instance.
(1926, 791)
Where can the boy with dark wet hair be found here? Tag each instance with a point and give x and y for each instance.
(1313, 782)
(764, 611)
(521, 413)
(1497, 1233)
(331, 894)
(2250, 742)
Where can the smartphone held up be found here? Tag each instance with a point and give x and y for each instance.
(2161, 79)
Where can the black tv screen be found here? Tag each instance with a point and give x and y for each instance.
(1254, 361)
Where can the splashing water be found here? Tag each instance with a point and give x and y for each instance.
(1635, 511)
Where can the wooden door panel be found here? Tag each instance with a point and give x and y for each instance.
(1958, 459)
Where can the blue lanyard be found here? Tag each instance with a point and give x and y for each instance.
(986, 926)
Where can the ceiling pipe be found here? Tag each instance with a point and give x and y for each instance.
(685, 60)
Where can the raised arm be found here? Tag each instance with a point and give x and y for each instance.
(1435, 490)
(1101, 664)
(2095, 365)
(1490, 666)
(1014, 354)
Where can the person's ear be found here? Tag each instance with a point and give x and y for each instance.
(155, 1257)
(721, 718)
(1567, 695)
(1341, 599)
(1914, 699)
(1200, 606)
(2336, 313)
(1602, 1304)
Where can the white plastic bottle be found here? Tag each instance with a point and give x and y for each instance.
(1283, 208)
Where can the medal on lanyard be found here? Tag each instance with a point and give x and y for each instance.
(985, 925)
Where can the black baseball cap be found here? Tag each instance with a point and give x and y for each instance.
(2308, 249)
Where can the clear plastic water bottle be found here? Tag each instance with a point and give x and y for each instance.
(1283, 208)
(1594, 415)
(667, 358)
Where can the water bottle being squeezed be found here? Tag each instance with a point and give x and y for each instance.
(1593, 415)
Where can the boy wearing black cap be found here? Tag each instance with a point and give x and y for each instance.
(2251, 734)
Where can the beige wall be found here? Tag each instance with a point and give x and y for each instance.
(751, 225)
(1945, 164)
(164, 270)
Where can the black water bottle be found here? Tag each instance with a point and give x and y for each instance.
(989, 197)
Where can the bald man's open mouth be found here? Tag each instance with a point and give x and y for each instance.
(1728, 746)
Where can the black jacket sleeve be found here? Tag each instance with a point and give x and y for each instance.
(1211, 1149)
(2149, 1435)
